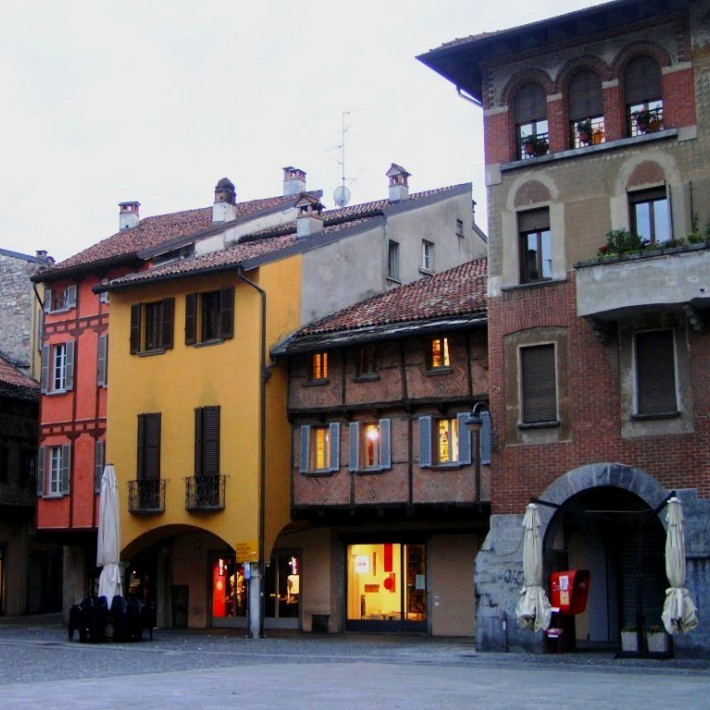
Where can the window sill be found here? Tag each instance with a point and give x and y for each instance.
(53, 496)
(453, 466)
(654, 417)
(149, 353)
(318, 474)
(369, 377)
(425, 272)
(368, 471)
(316, 383)
(54, 393)
(394, 279)
(208, 343)
(439, 371)
(552, 424)
(533, 284)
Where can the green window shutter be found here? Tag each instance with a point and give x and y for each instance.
(41, 471)
(136, 312)
(486, 444)
(69, 371)
(102, 360)
(98, 465)
(227, 313)
(354, 446)
(66, 469)
(425, 424)
(334, 452)
(70, 297)
(464, 439)
(304, 452)
(385, 443)
(190, 318)
(168, 312)
(44, 381)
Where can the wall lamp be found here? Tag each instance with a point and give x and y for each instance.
(474, 422)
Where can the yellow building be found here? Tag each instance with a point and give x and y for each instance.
(198, 429)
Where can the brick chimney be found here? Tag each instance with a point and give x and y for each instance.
(225, 201)
(128, 217)
(294, 181)
(309, 221)
(399, 185)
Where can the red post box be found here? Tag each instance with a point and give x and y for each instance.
(569, 591)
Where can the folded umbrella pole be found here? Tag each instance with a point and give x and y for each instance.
(533, 608)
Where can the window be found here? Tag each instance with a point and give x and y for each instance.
(320, 448)
(650, 215)
(535, 246)
(437, 355)
(99, 462)
(58, 367)
(370, 445)
(530, 112)
(427, 263)
(148, 466)
(207, 441)
(538, 384)
(366, 361)
(209, 316)
(655, 373)
(53, 471)
(585, 109)
(56, 300)
(318, 367)
(459, 228)
(643, 96)
(102, 361)
(152, 326)
(444, 441)
(393, 260)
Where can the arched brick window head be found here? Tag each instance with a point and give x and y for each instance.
(531, 128)
(643, 96)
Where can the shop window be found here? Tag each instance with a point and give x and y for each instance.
(437, 354)
(152, 326)
(58, 367)
(366, 361)
(282, 586)
(530, 112)
(643, 96)
(650, 215)
(209, 316)
(444, 441)
(538, 384)
(318, 367)
(230, 587)
(54, 471)
(535, 245)
(393, 260)
(427, 260)
(656, 393)
(320, 448)
(585, 109)
(370, 445)
(57, 300)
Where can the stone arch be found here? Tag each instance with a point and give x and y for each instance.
(585, 61)
(645, 47)
(523, 77)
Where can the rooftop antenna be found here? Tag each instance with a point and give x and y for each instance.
(341, 196)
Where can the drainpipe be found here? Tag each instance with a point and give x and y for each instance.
(263, 376)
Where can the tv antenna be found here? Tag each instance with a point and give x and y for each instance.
(341, 196)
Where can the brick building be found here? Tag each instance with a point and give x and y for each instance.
(388, 494)
(597, 137)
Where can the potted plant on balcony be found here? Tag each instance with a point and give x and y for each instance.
(530, 144)
(584, 130)
(643, 120)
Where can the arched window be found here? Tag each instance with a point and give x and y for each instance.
(585, 109)
(643, 96)
(530, 112)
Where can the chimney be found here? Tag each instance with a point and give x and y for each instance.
(225, 199)
(294, 181)
(309, 221)
(399, 185)
(128, 216)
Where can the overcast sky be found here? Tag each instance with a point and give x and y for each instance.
(155, 100)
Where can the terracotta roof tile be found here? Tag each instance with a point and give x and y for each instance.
(14, 382)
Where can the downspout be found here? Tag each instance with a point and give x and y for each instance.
(468, 97)
(262, 448)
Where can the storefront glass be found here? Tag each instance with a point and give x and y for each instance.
(283, 586)
(229, 590)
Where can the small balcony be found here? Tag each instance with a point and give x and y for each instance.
(146, 496)
(204, 492)
(664, 278)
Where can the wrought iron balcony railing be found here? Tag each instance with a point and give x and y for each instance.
(204, 492)
(146, 496)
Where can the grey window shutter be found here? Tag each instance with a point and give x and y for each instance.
(655, 373)
(70, 297)
(98, 465)
(530, 104)
(47, 300)
(102, 356)
(41, 472)
(642, 80)
(44, 382)
(425, 441)
(66, 469)
(486, 447)
(136, 313)
(227, 313)
(304, 453)
(190, 318)
(69, 372)
(464, 439)
(584, 96)
(539, 385)
(334, 453)
(385, 443)
(354, 446)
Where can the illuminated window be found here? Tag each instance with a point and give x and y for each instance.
(319, 367)
(444, 441)
(438, 354)
(370, 445)
(320, 448)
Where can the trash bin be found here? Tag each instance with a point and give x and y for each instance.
(319, 623)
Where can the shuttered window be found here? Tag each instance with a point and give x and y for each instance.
(584, 96)
(148, 465)
(209, 316)
(57, 367)
(207, 441)
(102, 361)
(319, 448)
(530, 104)
(152, 326)
(370, 445)
(538, 384)
(642, 81)
(54, 471)
(99, 448)
(444, 441)
(655, 373)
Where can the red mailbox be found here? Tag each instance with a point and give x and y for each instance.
(569, 591)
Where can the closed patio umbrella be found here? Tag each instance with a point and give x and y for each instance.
(108, 548)
(679, 612)
(533, 608)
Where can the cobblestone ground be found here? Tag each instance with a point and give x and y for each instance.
(39, 667)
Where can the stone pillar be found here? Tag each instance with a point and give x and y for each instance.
(74, 583)
(256, 593)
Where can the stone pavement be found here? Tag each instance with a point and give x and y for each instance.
(39, 668)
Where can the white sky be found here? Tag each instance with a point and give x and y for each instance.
(106, 101)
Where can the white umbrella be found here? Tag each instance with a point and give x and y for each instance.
(533, 608)
(679, 613)
(108, 548)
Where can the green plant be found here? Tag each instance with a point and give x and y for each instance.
(676, 242)
(631, 628)
(654, 629)
(643, 119)
(585, 126)
(695, 237)
(621, 241)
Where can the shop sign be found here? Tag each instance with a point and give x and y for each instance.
(246, 551)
